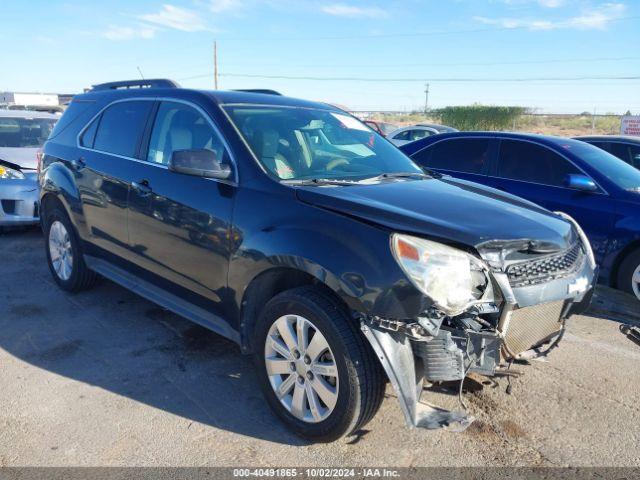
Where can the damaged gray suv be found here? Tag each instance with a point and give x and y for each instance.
(293, 229)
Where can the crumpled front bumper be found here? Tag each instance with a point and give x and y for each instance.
(19, 201)
(529, 318)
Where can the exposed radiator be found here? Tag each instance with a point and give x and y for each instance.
(531, 325)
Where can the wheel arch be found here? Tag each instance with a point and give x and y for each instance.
(269, 283)
(58, 183)
(619, 259)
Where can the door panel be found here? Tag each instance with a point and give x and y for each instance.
(103, 170)
(537, 174)
(104, 186)
(179, 224)
(179, 228)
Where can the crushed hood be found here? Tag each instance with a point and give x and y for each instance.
(450, 209)
(25, 158)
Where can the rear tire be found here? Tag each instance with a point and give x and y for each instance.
(356, 378)
(64, 253)
(629, 274)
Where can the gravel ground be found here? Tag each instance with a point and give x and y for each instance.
(105, 378)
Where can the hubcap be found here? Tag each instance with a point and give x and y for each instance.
(635, 282)
(60, 250)
(301, 368)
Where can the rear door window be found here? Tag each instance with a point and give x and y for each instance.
(121, 127)
(627, 152)
(466, 155)
(620, 150)
(634, 152)
(533, 163)
(402, 135)
(419, 134)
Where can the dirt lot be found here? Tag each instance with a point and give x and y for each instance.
(107, 378)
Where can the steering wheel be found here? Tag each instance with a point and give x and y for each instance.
(336, 162)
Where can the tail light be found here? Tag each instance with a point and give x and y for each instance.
(39, 155)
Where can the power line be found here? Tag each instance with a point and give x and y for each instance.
(446, 64)
(419, 34)
(442, 79)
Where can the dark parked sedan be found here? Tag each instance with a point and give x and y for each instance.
(597, 189)
(624, 147)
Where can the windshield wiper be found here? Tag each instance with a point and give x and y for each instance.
(383, 176)
(319, 181)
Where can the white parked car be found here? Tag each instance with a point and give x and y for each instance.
(22, 133)
(404, 135)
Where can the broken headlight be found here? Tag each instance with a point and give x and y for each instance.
(7, 173)
(452, 278)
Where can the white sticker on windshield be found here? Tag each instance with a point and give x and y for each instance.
(350, 122)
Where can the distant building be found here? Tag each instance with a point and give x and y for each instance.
(27, 99)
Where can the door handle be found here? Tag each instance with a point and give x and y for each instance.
(78, 164)
(142, 187)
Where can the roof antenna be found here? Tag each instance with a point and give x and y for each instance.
(140, 72)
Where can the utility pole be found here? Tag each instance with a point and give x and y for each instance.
(426, 98)
(215, 64)
(593, 121)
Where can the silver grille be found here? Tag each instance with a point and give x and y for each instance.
(531, 325)
(542, 270)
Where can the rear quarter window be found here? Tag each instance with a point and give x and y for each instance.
(89, 135)
(74, 111)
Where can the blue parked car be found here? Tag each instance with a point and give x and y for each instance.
(597, 189)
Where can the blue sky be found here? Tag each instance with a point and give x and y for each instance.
(63, 46)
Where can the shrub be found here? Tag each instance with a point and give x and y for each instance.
(479, 117)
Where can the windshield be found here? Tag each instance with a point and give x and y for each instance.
(617, 171)
(305, 143)
(24, 132)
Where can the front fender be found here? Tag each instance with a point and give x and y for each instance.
(358, 268)
(351, 258)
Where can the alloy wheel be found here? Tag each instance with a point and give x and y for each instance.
(301, 368)
(60, 250)
(635, 282)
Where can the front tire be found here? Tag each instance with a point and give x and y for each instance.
(629, 274)
(314, 366)
(64, 253)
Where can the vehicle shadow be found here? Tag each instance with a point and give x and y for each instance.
(614, 305)
(110, 338)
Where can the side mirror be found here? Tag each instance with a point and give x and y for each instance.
(580, 182)
(199, 163)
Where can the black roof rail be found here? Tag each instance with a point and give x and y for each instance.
(266, 91)
(126, 84)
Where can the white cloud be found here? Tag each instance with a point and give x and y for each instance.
(177, 18)
(542, 3)
(599, 17)
(551, 3)
(217, 6)
(117, 33)
(595, 19)
(344, 10)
